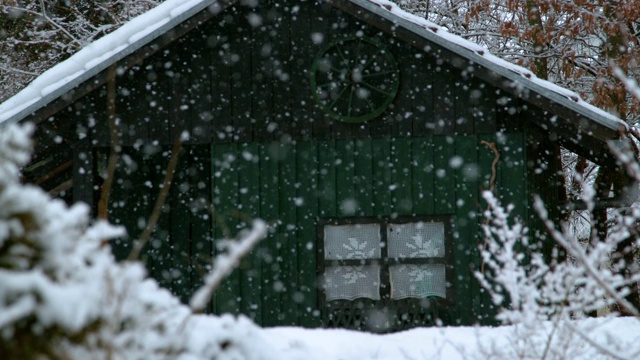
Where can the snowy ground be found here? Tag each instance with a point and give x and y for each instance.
(452, 343)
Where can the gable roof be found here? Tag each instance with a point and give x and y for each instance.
(145, 34)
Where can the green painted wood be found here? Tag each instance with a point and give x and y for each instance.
(483, 102)
(513, 173)
(241, 80)
(363, 176)
(401, 174)
(262, 100)
(83, 173)
(466, 203)
(301, 50)
(382, 167)
(119, 202)
(345, 192)
(327, 179)
(288, 250)
(422, 95)
(196, 103)
(444, 99)
(444, 194)
(318, 23)
(403, 104)
(225, 200)
(177, 86)
(280, 59)
(307, 210)
(89, 117)
(201, 219)
(269, 211)
(158, 101)
(422, 175)
(220, 73)
(248, 169)
(463, 120)
(179, 230)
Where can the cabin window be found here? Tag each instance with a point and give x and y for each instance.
(383, 261)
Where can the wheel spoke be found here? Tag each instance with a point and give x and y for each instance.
(378, 73)
(351, 100)
(337, 98)
(358, 48)
(326, 84)
(342, 56)
(372, 87)
(370, 104)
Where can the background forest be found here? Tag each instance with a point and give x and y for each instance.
(37, 34)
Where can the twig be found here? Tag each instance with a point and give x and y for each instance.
(225, 263)
(578, 255)
(591, 342)
(556, 324)
(18, 71)
(157, 209)
(494, 163)
(55, 24)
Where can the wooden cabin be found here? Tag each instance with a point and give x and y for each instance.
(361, 134)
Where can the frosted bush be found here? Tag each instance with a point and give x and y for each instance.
(63, 296)
(531, 290)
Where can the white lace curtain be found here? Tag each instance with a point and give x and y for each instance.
(358, 241)
(363, 241)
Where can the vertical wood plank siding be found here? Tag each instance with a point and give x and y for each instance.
(300, 183)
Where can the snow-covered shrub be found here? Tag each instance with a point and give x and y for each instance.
(531, 291)
(63, 296)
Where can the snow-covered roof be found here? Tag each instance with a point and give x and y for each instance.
(147, 27)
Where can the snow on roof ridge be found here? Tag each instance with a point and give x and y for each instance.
(97, 53)
(484, 52)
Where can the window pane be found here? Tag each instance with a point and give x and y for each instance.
(416, 240)
(357, 241)
(418, 281)
(352, 282)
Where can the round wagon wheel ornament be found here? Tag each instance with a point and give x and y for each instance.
(354, 79)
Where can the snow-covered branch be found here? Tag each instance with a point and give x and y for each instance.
(63, 295)
(224, 263)
(530, 289)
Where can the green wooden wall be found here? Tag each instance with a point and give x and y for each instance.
(291, 185)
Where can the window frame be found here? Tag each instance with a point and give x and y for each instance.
(384, 261)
